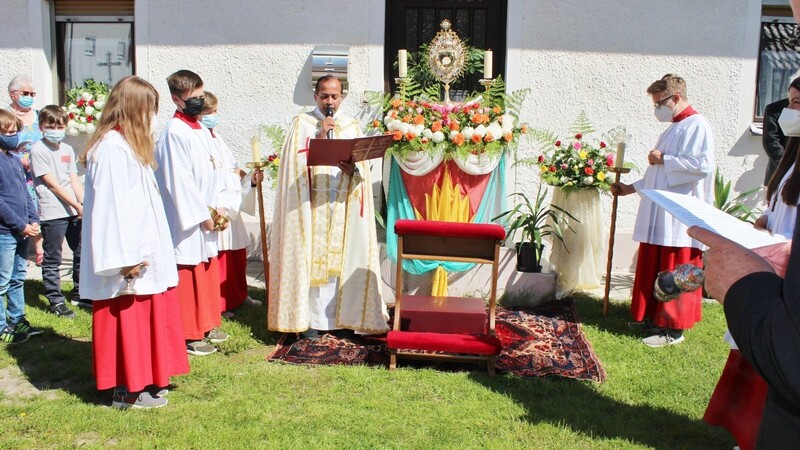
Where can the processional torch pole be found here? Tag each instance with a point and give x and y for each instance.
(618, 170)
(258, 164)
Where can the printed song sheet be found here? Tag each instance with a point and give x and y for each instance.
(693, 211)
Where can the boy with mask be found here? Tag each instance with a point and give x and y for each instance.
(18, 222)
(185, 176)
(60, 194)
(682, 162)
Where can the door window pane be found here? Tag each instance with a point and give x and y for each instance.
(102, 51)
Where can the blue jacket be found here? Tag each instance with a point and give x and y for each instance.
(16, 204)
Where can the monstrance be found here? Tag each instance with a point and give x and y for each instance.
(447, 57)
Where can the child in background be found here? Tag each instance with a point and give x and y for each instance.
(60, 195)
(233, 241)
(129, 268)
(18, 222)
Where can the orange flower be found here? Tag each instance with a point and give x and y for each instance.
(375, 123)
(436, 126)
(418, 119)
(454, 125)
(488, 137)
(393, 114)
(523, 129)
(496, 110)
(407, 118)
(397, 135)
(508, 137)
(475, 139)
(410, 136)
(477, 118)
(458, 139)
(396, 103)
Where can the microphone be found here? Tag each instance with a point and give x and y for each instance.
(329, 113)
(685, 278)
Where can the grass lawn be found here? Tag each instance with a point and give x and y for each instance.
(653, 398)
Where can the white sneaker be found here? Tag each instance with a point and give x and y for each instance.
(662, 339)
(250, 301)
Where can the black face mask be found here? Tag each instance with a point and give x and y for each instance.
(194, 106)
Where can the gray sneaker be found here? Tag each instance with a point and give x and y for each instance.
(136, 400)
(199, 348)
(663, 338)
(216, 336)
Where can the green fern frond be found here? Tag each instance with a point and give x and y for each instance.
(515, 100)
(582, 125)
(276, 134)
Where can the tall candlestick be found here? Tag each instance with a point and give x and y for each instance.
(255, 148)
(620, 154)
(487, 64)
(402, 63)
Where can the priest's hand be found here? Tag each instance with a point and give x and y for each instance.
(655, 157)
(255, 176)
(133, 271)
(726, 262)
(207, 225)
(622, 189)
(348, 167)
(327, 124)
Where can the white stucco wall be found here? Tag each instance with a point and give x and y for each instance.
(598, 57)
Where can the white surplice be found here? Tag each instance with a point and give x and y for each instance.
(123, 224)
(325, 270)
(781, 218)
(234, 188)
(688, 149)
(185, 175)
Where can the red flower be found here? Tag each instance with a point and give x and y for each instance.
(552, 168)
(91, 102)
(602, 144)
(71, 116)
(89, 119)
(541, 159)
(578, 136)
(558, 143)
(81, 102)
(588, 171)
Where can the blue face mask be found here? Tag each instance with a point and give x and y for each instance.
(210, 120)
(54, 136)
(26, 101)
(9, 141)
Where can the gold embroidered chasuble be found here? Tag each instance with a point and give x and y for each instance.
(323, 226)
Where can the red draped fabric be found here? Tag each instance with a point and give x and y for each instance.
(472, 185)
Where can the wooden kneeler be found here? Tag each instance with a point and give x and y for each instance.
(458, 327)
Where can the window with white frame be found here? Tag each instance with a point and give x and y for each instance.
(778, 57)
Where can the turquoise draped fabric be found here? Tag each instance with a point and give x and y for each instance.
(399, 206)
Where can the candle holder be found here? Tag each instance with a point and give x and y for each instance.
(619, 170)
(256, 165)
(486, 83)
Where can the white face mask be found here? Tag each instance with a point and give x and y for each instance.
(663, 113)
(789, 121)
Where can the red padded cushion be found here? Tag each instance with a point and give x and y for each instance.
(450, 343)
(450, 229)
(443, 314)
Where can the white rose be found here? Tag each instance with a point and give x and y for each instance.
(90, 128)
(392, 125)
(403, 127)
(98, 115)
(453, 134)
(480, 130)
(89, 110)
(98, 104)
(72, 130)
(495, 129)
(86, 96)
(81, 119)
(588, 180)
(72, 124)
(508, 123)
(437, 137)
(427, 133)
(387, 120)
(564, 180)
(417, 129)
(73, 109)
(82, 127)
(101, 98)
(467, 132)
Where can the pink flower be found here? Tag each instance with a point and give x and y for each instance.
(577, 145)
(590, 162)
(558, 143)
(564, 166)
(609, 159)
(541, 159)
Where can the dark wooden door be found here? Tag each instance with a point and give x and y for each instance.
(411, 23)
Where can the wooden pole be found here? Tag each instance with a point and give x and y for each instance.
(618, 171)
(262, 222)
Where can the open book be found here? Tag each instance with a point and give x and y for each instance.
(693, 211)
(328, 152)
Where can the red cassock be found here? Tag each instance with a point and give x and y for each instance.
(137, 342)
(198, 296)
(232, 278)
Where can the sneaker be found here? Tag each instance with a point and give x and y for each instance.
(61, 310)
(82, 304)
(227, 314)
(25, 327)
(664, 338)
(250, 301)
(136, 400)
(199, 348)
(156, 391)
(310, 334)
(10, 336)
(216, 336)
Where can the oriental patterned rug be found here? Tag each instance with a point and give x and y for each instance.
(542, 341)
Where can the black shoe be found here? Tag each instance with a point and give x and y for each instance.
(10, 336)
(25, 327)
(344, 334)
(61, 310)
(83, 304)
(310, 334)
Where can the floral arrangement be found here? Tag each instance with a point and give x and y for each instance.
(84, 106)
(276, 135)
(573, 162)
(482, 125)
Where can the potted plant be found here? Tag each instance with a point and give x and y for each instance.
(536, 221)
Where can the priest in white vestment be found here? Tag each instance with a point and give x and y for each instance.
(682, 161)
(325, 269)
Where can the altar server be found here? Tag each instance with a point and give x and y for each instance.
(185, 175)
(682, 161)
(128, 263)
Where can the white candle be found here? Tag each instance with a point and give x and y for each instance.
(255, 149)
(620, 155)
(487, 64)
(402, 63)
